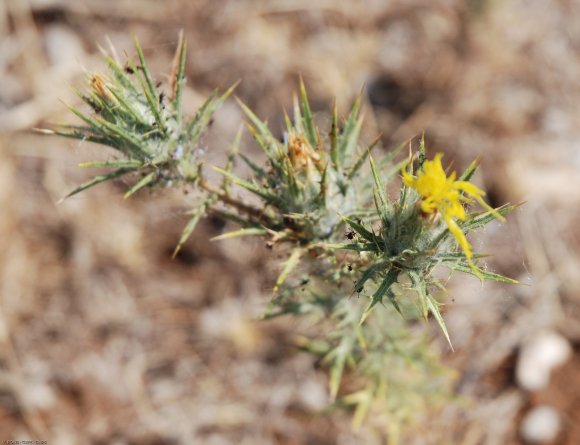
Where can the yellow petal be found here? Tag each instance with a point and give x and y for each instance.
(464, 244)
(459, 236)
(469, 188)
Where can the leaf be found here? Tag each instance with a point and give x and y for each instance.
(334, 136)
(289, 265)
(349, 136)
(149, 89)
(339, 357)
(190, 227)
(129, 163)
(483, 274)
(357, 247)
(231, 158)
(108, 131)
(482, 219)
(97, 180)
(129, 109)
(252, 231)
(119, 73)
(143, 182)
(382, 204)
(360, 229)
(362, 158)
(258, 171)
(368, 274)
(433, 307)
(178, 79)
(377, 297)
(420, 288)
(469, 172)
(307, 116)
(422, 154)
(201, 119)
(267, 196)
(261, 132)
(363, 400)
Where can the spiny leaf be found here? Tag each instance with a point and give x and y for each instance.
(339, 356)
(349, 135)
(357, 247)
(382, 204)
(191, 224)
(483, 274)
(261, 132)
(486, 217)
(420, 287)
(97, 180)
(258, 171)
(252, 231)
(307, 116)
(361, 160)
(267, 196)
(202, 117)
(113, 135)
(377, 297)
(368, 275)
(422, 154)
(134, 144)
(350, 140)
(129, 163)
(119, 74)
(334, 136)
(469, 172)
(129, 109)
(454, 257)
(149, 89)
(231, 158)
(289, 265)
(434, 308)
(363, 400)
(143, 182)
(360, 229)
(178, 79)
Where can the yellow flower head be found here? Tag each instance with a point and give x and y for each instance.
(444, 195)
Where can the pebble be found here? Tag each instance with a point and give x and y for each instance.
(538, 357)
(541, 425)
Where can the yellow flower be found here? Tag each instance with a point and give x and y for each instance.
(444, 195)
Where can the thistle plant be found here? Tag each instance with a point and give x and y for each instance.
(314, 189)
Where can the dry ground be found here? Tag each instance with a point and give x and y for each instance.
(105, 340)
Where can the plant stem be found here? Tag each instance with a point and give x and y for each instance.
(238, 205)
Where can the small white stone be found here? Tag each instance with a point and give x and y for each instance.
(313, 394)
(538, 357)
(542, 424)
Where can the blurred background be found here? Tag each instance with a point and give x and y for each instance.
(105, 340)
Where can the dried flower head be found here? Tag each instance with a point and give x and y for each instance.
(303, 158)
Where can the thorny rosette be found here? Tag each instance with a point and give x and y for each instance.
(309, 183)
(418, 232)
(143, 123)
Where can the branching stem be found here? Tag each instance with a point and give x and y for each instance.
(238, 205)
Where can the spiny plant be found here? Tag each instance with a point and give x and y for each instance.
(314, 189)
(420, 231)
(144, 125)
